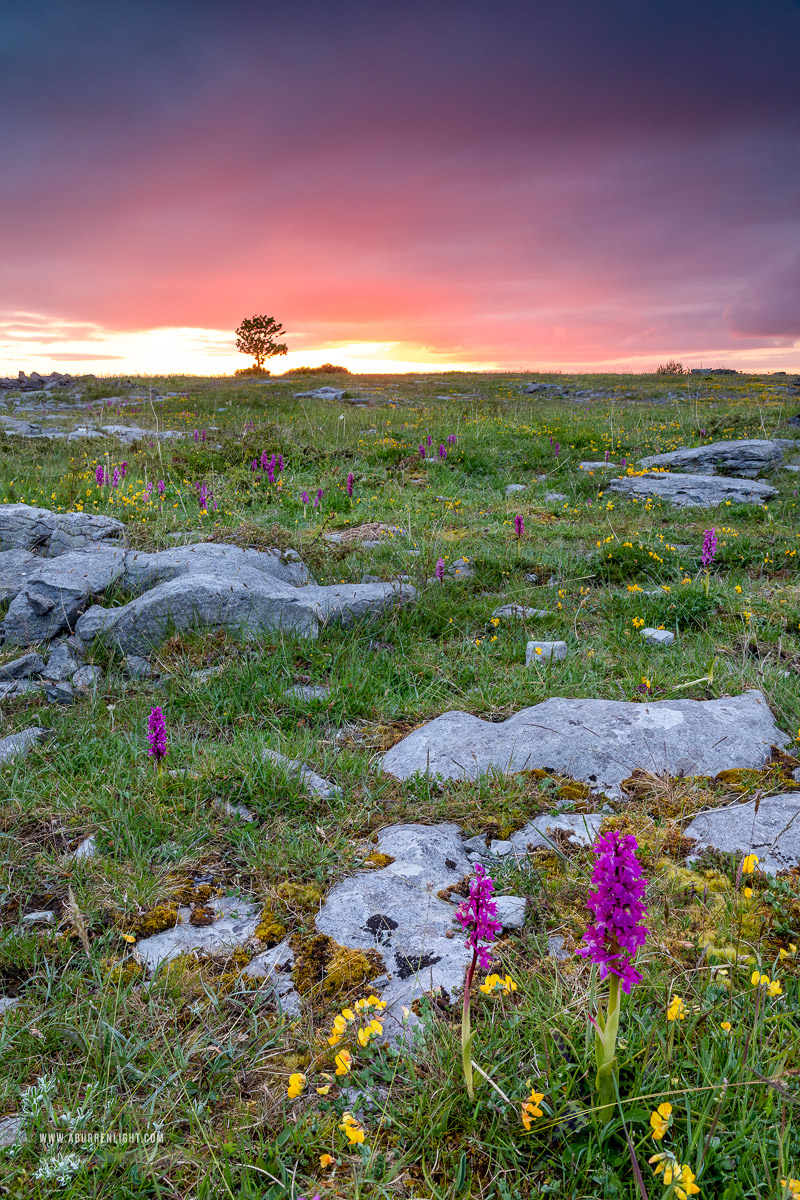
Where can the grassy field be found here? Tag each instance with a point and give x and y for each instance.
(198, 1060)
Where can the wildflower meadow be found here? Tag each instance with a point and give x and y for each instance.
(627, 1018)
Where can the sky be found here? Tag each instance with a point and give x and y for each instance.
(433, 185)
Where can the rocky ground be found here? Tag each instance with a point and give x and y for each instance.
(394, 633)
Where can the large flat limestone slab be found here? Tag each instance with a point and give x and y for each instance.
(23, 527)
(597, 741)
(236, 923)
(773, 833)
(57, 591)
(746, 458)
(693, 491)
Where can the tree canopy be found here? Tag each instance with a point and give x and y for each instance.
(256, 336)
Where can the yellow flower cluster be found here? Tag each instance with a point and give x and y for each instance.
(494, 983)
(772, 986)
(676, 1010)
(353, 1130)
(530, 1109)
(364, 1009)
(297, 1083)
(660, 1120)
(681, 1176)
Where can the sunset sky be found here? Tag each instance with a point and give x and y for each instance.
(541, 184)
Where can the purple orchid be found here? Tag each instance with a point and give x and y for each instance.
(157, 735)
(443, 452)
(709, 547)
(439, 570)
(617, 932)
(519, 526)
(478, 916)
(350, 481)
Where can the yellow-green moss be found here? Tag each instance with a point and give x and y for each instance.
(163, 916)
(300, 895)
(376, 859)
(269, 930)
(120, 972)
(322, 965)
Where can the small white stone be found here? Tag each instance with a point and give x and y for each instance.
(556, 948)
(513, 488)
(658, 637)
(522, 611)
(539, 650)
(7, 1002)
(510, 911)
(10, 1130)
(87, 848)
(500, 848)
(38, 918)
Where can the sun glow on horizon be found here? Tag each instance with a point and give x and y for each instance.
(34, 342)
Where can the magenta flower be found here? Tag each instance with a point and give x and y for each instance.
(451, 437)
(429, 440)
(204, 494)
(519, 526)
(100, 476)
(115, 477)
(157, 735)
(350, 481)
(123, 470)
(254, 465)
(478, 915)
(624, 462)
(162, 487)
(280, 463)
(443, 452)
(616, 935)
(421, 450)
(196, 434)
(607, 454)
(709, 547)
(304, 497)
(556, 448)
(264, 461)
(439, 570)
(318, 497)
(149, 490)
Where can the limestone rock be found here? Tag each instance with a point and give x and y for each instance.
(597, 741)
(61, 664)
(693, 491)
(22, 687)
(658, 637)
(513, 488)
(201, 601)
(44, 917)
(137, 667)
(396, 911)
(23, 527)
(235, 923)
(22, 668)
(746, 458)
(537, 651)
(87, 678)
(6, 1004)
(598, 466)
(307, 692)
(274, 967)
(581, 828)
(86, 849)
(323, 393)
(521, 611)
(12, 1129)
(143, 570)
(773, 833)
(551, 497)
(511, 911)
(351, 602)
(18, 745)
(16, 567)
(60, 693)
(57, 591)
(312, 782)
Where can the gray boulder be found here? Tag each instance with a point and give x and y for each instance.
(137, 667)
(323, 393)
(60, 693)
(692, 491)
(16, 567)
(201, 601)
(396, 911)
(596, 741)
(18, 745)
(539, 650)
(274, 966)
(582, 829)
(658, 637)
(773, 832)
(521, 611)
(57, 591)
(143, 571)
(236, 922)
(61, 664)
(87, 678)
(513, 488)
(347, 603)
(23, 527)
(22, 668)
(746, 458)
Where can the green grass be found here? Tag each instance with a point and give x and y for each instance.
(203, 1059)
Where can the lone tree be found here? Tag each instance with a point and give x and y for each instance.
(256, 336)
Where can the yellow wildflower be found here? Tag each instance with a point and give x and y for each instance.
(676, 1010)
(793, 1185)
(353, 1129)
(297, 1083)
(725, 1026)
(325, 1160)
(494, 983)
(749, 864)
(530, 1109)
(661, 1120)
(774, 988)
(747, 893)
(344, 1061)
